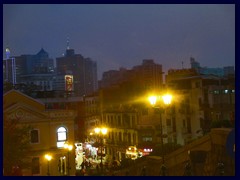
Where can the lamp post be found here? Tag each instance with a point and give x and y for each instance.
(101, 132)
(69, 148)
(167, 101)
(49, 158)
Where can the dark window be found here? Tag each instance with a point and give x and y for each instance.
(145, 111)
(119, 122)
(197, 85)
(189, 128)
(129, 137)
(120, 136)
(133, 122)
(174, 124)
(134, 138)
(35, 166)
(34, 136)
(168, 122)
(126, 120)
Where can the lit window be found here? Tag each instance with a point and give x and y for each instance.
(61, 136)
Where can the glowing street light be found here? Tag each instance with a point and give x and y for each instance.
(166, 99)
(101, 132)
(49, 158)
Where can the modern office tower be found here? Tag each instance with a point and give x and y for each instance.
(35, 70)
(83, 70)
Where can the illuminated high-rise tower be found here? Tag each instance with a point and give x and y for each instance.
(82, 70)
(9, 68)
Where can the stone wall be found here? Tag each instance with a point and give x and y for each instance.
(204, 157)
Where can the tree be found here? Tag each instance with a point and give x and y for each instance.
(7, 86)
(16, 145)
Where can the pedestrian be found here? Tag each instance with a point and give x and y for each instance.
(188, 171)
(163, 170)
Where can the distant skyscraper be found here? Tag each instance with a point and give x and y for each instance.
(149, 75)
(225, 71)
(35, 69)
(194, 64)
(9, 68)
(84, 72)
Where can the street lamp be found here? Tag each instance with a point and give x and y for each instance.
(166, 99)
(49, 158)
(101, 132)
(69, 148)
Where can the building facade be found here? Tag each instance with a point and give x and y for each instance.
(198, 101)
(35, 70)
(83, 70)
(50, 130)
(203, 101)
(221, 72)
(149, 75)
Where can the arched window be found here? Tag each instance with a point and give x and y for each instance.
(61, 136)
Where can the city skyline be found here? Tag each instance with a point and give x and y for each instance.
(122, 35)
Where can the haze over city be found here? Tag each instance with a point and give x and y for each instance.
(119, 90)
(122, 35)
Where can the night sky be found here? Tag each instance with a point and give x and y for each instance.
(122, 35)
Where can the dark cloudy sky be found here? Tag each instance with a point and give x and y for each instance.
(122, 35)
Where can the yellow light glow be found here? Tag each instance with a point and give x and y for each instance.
(104, 130)
(97, 130)
(152, 100)
(65, 146)
(167, 99)
(68, 146)
(48, 157)
(100, 130)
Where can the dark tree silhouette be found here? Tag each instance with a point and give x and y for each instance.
(15, 146)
